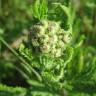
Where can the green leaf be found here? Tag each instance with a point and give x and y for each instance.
(40, 9)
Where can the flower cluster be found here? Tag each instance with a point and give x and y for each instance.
(48, 37)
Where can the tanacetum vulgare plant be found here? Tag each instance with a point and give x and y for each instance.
(50, 49)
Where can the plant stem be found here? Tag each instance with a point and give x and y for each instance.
(20, 58)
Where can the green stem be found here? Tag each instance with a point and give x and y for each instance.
(20, 58)
(0, 48)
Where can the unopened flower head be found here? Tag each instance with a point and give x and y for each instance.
(48, 37)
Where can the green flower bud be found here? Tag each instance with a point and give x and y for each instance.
(60, 44)
(58, 53)
(45, 48)
(44, 23)
(48, 37)
(39, 30)
(67, 38)
(45, 38)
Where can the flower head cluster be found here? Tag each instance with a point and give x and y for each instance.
(48, 37)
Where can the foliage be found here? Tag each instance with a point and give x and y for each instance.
(10, 91)
(73, 72)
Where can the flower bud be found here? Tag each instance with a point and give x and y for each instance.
(67, 38)
(48, 37)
